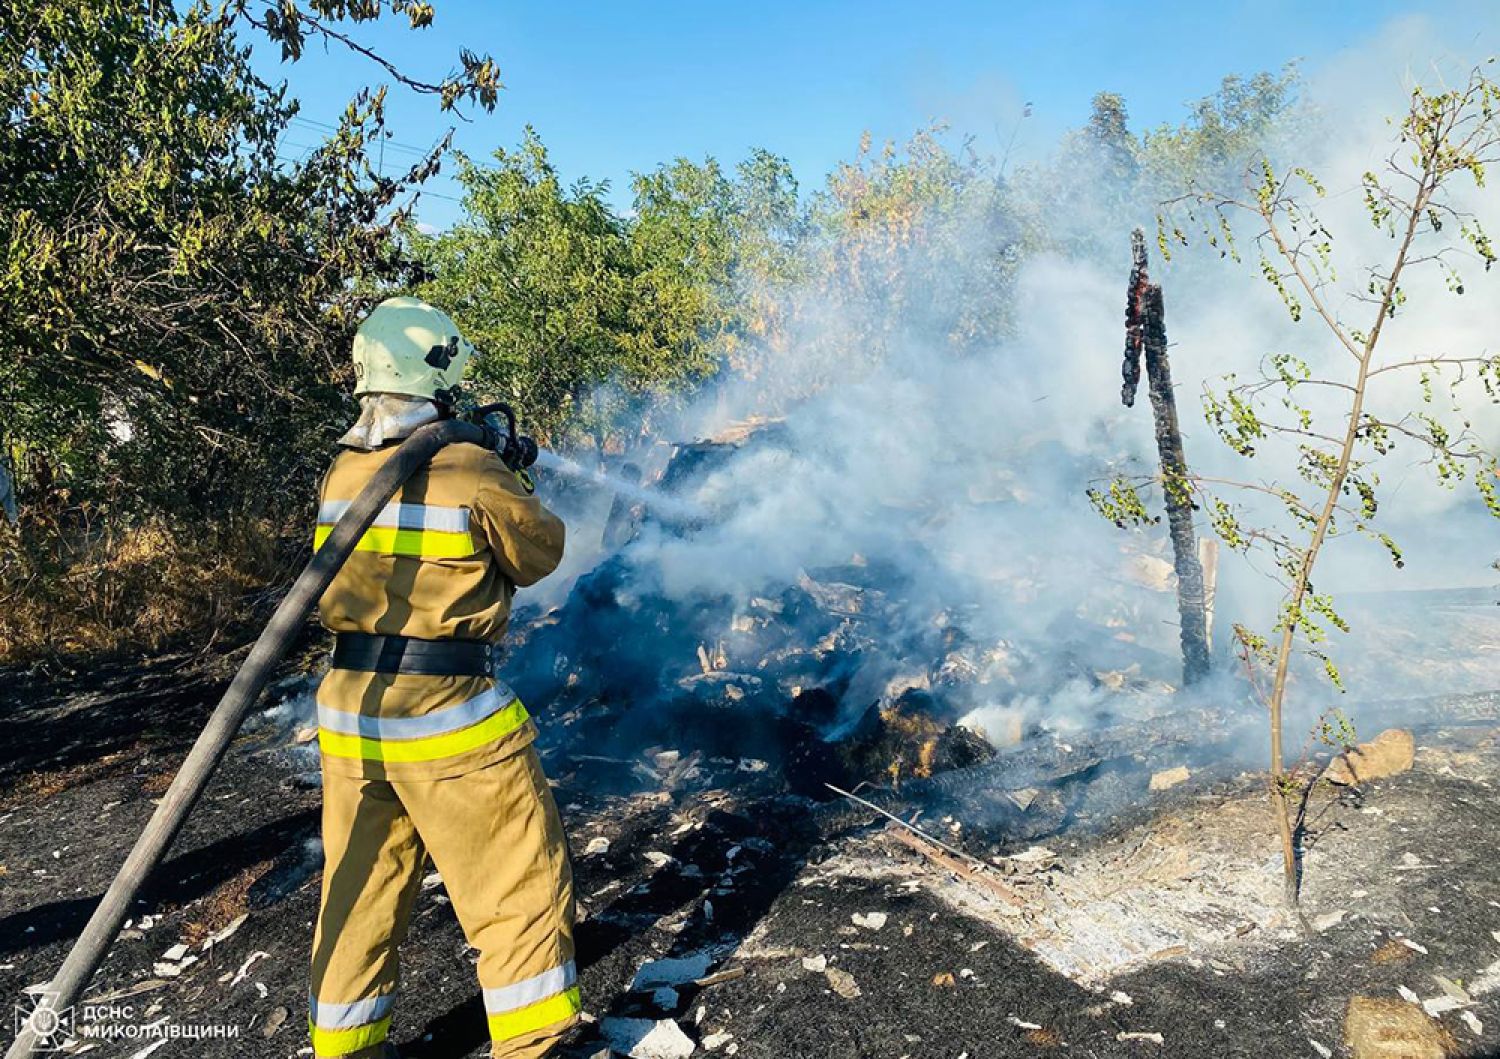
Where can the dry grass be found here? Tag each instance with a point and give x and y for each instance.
(226, 903)
(36, 787)
(68, 594)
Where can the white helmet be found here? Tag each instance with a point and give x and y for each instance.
(409, 347)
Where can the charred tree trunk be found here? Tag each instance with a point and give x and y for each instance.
(1146, 338)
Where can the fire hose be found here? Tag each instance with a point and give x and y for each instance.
(270, 648)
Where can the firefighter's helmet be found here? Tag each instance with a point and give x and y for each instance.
(407, 346)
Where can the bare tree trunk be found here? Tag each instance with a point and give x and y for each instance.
(1146, 337)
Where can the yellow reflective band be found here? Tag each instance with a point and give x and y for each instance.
(330, 1043)
(500, 723)
(420, 543)
(533, 1017)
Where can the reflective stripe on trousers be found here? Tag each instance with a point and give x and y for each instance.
(531, 1004)
(444, 732)
(338, 1029)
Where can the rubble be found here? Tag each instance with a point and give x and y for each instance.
(1389, 753)
(1169, 778)
(647, 1039)
(1378, 1028)
(672, 971)
(842, 982)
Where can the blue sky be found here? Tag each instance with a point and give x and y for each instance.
(619, 87)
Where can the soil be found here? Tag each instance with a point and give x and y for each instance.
(1168, 923)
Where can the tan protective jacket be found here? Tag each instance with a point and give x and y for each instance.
(442, 560)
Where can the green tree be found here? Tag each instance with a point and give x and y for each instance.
(725, 246)
(1228, 131)
(910, 241)
(179, 297)
(585, 318)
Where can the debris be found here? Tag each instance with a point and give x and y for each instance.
(843, 982)
(729, 974)
(1035, 858)
(239, 976)
(1327, 920)
(816, 964)
(1440, 1005)
(1166, 779)
(714, 1041)
(1137, 1035)
(665, 997)
(134, 989)
(1453, 989)
(934, 851)
(1321, 1048)
(1379, 1028)
(274, 1021)
(1119, 996)
(869, 920)
(1487, 980)
(597, 844)
(1413, 946)
(170, 968)
(226, 933)
(647, 1038)
(1471, 1020)
(1389, 753)
(1392, 951)
(944, 980)
(659, 859)
(1021, 1024)
(671, 971)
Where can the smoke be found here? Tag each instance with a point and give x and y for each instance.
(953, 473)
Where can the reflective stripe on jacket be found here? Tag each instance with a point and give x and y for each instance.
(441, 560)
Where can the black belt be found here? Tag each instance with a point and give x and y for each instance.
(406, 654)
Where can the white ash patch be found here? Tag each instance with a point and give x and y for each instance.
(1192, 883)
(1184, 884)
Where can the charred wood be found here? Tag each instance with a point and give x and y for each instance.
(1146, 339)
(1037, 764)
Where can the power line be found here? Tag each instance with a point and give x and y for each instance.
(390, 144)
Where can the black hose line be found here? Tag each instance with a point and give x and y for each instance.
(93, 944)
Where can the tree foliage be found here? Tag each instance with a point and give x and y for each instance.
(179, 297)
(583, 316)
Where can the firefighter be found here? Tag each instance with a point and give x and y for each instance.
(425, 751)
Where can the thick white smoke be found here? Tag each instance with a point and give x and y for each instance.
(965, 475)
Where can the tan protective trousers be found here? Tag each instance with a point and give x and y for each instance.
(495, 836)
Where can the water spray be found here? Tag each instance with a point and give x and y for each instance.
(670, 508)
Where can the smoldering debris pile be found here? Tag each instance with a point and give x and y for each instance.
(864, 672)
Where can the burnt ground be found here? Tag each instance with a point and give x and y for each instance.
(715, 862)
